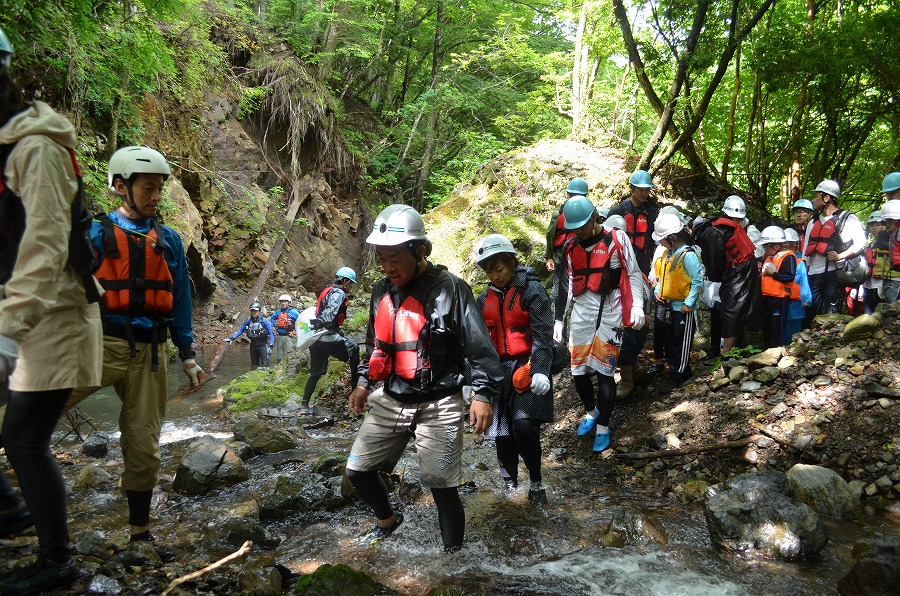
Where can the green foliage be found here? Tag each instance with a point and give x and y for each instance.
(270, 387)
(251, 100)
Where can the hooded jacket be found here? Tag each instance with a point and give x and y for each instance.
(43, 304)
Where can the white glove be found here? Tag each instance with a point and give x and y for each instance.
(540, 384)
(9, 355)
(467, 394)
(637, 318)
(768, 268)
(228, 340)
(558, 331)
(193, 371)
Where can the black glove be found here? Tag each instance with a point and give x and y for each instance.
(315, 324)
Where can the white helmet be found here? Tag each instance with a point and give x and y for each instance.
(891, 210)
(829, 187)
(285, 297)
(791, 235)
(772, 235)
(602, 213)
(493, 244)
(395, 225)
(615, 222)
(128, 161)
(666, 225)
(734, 207)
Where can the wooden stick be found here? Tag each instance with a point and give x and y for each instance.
(245, 548)
(691, 450)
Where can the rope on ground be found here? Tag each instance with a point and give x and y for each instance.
(692, 450)
(245, 548)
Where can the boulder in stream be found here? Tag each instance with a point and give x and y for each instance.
(208, 464)
(876, 572)
(262, 437)
(822, 489)
(754, 514)
(328, 580)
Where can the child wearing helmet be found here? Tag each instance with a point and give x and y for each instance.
(799, 304)
(889, 264)
(606, 296)
(50, 335)
(557, 234)
(259, 332)
(516, 309)
(868, 292)
(331, 310)
(284, 321)
(778, 286)
(679, 276)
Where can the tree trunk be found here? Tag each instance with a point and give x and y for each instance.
(432, 122)
(729, 144)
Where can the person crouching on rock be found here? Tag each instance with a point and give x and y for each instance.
(517, 312)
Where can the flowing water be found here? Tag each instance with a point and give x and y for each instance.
(512, 546)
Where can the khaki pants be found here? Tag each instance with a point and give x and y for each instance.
(143, 394)
(283, 345)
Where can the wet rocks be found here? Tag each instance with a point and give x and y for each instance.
(876, 571)
(262, 437)
(301, 493)
(823, 490)
(862, 327)
(630, 527)
(260, 582)
(328, 580)
(96, 445)
(208, 464)
(754, 514)
(93, 477)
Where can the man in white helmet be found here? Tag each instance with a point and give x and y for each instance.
(284, 321)
(832, 238)
(148, 297)
(424, 332)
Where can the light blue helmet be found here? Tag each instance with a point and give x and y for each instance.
(891, 182)
(6, 52)
(578, 186)
(641, 179)
(346, 273)
(577, 211)
(803, 204)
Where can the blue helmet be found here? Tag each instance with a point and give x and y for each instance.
(346, 273)
(578, 186)
(577, 211)
(803, 204)
(641, 179)
(891, 182)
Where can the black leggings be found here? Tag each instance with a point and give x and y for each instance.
(606, 393)
(451, 516)
(524, 441)
(30, 420)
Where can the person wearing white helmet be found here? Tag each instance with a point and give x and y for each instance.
(606, 295)
(680, 279)
(50, 331)
(799, 302)
(145, 301)
(778, 285)
(867, 296)
(833, 238)
(887, 260)
(640, 214)
(516, 309)
(331, 311)
(284, 321)
(424, 340)
(261, 334)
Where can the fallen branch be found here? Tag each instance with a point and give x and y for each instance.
(245, 548)
(773, 436)
(691, 450)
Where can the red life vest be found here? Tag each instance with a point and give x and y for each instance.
(562, 234)
(342, 309)
(822, 236)
(509, 324)
(134, 271)
(283, 321)
(895, 250)
(636, 228)
(738, 246)
(801, 232)
(398, 337)
(778, 289)
(591, 270)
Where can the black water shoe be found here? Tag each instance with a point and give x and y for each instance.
(46, 574)
(380, 532)
(15, 521)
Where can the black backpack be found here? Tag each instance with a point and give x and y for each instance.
(82, 255)
(711, 241)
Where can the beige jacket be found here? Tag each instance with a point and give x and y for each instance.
(43, 304)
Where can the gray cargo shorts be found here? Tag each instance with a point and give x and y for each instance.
(435, 427)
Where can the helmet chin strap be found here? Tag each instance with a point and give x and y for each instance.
(129, 195)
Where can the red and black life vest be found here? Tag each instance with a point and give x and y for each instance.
(591, 269)
(562, 234)
(738, 246)
(801, 244)
(823, 236)
(134, 271)
(399, 339)
(342, 309)
(509, 324)
(636, 225)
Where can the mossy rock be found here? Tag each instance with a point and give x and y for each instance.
(263, 388)
(329, 580)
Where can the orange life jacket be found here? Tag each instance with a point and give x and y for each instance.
(509, 324)
(398, 339)
(590, 269)
(779, 289)
(738, 247)
(342, 310)
(134, 271)
(636, 228)
(283, 320)
(562, 234)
